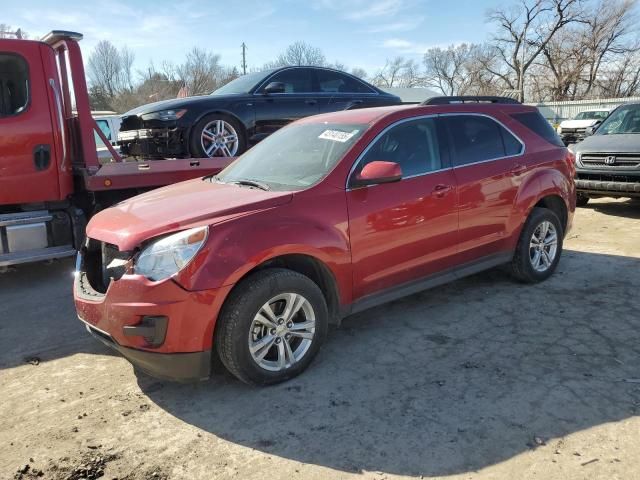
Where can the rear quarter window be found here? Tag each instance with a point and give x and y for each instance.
(535, 122)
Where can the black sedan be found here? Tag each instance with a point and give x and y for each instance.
(241, 113)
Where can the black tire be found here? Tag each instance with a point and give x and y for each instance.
(521, 264)
(582, 200)
(239, 310)
(195, 144)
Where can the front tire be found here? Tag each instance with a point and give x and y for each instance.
(539, 247)
(217, 135)
(271, 326)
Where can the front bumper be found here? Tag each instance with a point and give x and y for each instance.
(572, 137)
(181, 367)
(154, 143)
(120, 318)
(608, 183)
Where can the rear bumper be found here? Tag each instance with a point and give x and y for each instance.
(180, 367)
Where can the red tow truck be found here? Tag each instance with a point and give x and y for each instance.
(51, 181)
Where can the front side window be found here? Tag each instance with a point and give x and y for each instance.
(295, 157)
(14, 84)
(413, 145)
(476, 138)
(625, 119)
(296, 80)
(336, 82)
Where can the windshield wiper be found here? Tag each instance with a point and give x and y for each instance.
(252, 183)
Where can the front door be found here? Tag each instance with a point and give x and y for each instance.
(275, 110)
(28, 164)
(406, 230)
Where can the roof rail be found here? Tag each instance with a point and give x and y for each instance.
(56, 36)
(469, 99)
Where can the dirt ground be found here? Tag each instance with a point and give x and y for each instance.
(481, 379)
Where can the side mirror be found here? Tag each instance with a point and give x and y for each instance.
(378, 172)
(275, 87)
(589, 130)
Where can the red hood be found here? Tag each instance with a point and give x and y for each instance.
(183, 205)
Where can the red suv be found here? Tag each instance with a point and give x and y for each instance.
(331, 215)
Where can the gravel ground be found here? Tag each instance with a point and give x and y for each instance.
(483, 378)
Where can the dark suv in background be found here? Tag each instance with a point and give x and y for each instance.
(608, 161)
(242, 112)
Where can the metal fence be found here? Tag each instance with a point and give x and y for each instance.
(556, 112)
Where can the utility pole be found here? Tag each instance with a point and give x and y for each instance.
(244, 58)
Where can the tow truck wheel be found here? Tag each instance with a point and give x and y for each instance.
(582, 200)
(217, 135)
(271, 326)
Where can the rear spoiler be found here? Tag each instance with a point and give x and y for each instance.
(56, 36)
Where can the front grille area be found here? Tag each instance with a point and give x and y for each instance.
(573, 130)
(620, 160)
(102, 263)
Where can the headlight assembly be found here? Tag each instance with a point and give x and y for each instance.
(164, 115)
(165, 257)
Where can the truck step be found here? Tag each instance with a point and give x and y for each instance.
(23, 218)
(36, 255)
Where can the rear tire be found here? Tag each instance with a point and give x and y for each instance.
(213, 136)
(582, 200)
(259, 340)
(539, 247)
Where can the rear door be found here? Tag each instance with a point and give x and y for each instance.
(488, 166)
(28, 164)
(339, 91)
(275, 110)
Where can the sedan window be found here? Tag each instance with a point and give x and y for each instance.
(296, 80)
(413, 145)
(336, 82)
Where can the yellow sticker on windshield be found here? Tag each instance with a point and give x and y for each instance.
(337, 135)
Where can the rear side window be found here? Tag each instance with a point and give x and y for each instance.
(476, 138)
(14, 84)
(413, 145)
(535, 122)
(335, 82)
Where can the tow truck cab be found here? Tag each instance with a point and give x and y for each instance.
(50, 178)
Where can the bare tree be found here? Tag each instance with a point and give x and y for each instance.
(109, 70)
(299, 53)
(399, 72)
(201, 72)
(7, 31)
(524, 31)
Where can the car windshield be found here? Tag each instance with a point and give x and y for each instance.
(595, 115)
(625, 119)
(295, 157)
(242, 84)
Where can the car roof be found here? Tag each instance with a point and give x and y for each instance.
(373, 115)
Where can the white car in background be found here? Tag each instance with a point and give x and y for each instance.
(573, 131)
(109, 124)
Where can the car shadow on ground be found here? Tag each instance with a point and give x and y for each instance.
(41, 324)
(446, 381)
(629, 208)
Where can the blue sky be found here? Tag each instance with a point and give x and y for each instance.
(358, 33)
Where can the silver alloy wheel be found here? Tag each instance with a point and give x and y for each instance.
(543, 246)
(282, 332)
(219, 139)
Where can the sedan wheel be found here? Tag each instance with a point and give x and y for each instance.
(282, 332)
(543, 246)
(219, 139)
